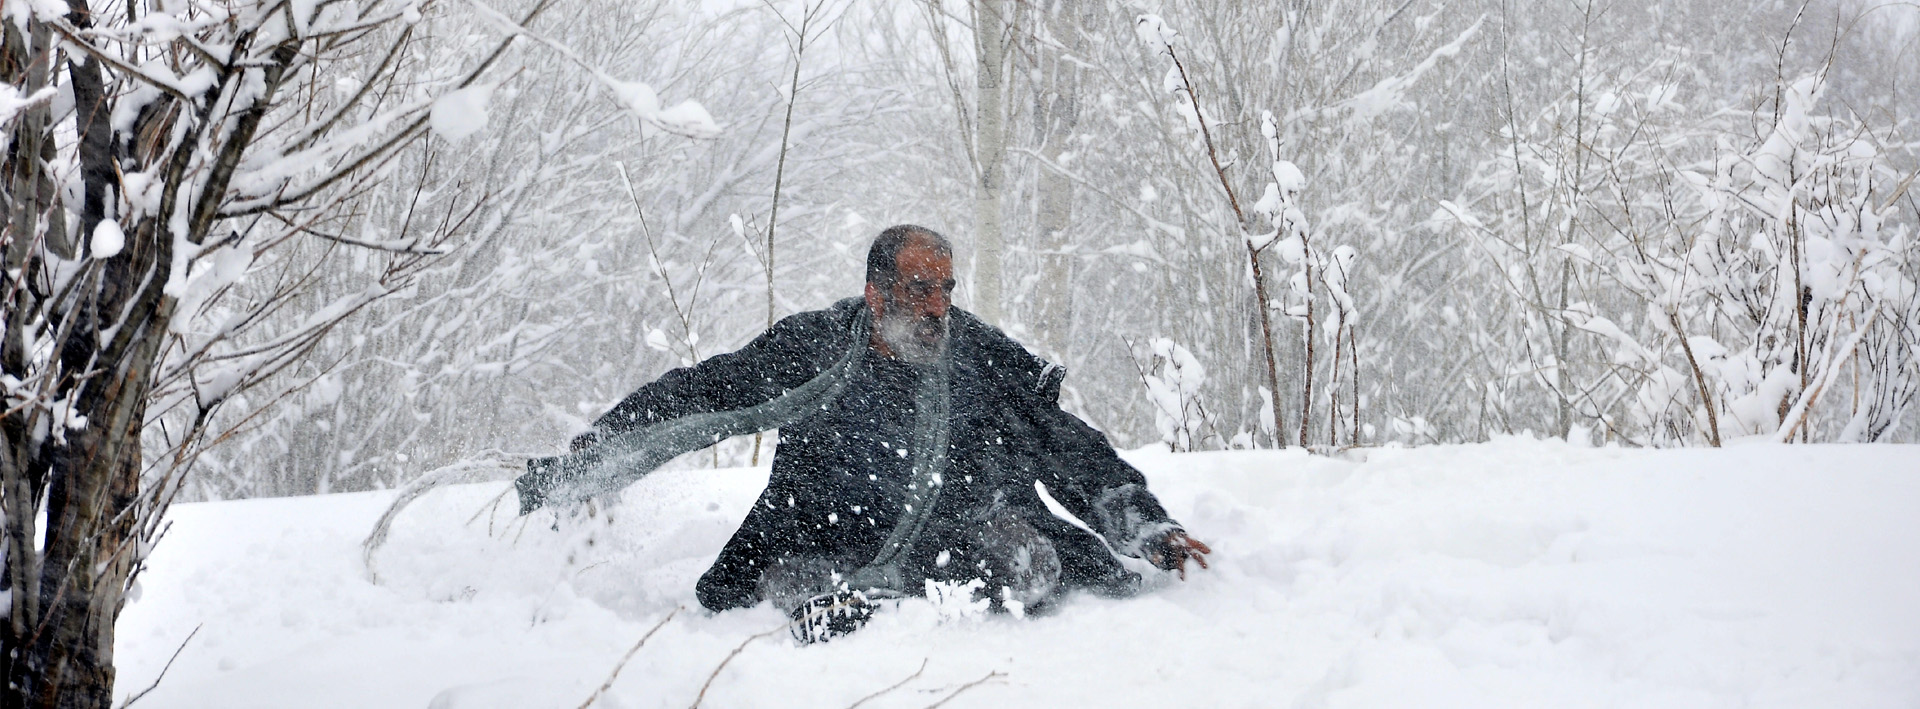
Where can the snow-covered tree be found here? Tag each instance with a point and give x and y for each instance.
(171, 168)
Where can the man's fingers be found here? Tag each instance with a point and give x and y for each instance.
(1179, 548)
(1198, 549)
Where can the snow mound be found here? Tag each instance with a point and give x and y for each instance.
(1517, 573)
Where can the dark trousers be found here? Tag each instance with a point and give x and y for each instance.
(1014, 560)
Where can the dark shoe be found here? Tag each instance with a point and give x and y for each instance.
(830, 615)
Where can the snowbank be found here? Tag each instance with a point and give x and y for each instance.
(1517, 573)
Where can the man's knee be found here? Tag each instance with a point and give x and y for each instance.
(1018, 563)
(722, 589)
(790, 580)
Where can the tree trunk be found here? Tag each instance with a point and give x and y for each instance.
(107, 332)
(90, 548)
(67, 593)
(73, 428)
(989, 36)
(1056, 103)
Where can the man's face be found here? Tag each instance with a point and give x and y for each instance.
(911, 315)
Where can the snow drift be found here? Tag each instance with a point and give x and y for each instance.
(1516, 573)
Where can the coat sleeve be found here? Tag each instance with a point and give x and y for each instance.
(1087, 477)
(786, 356)
(1077, 465)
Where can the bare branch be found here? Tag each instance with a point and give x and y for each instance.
(604, 686)
(723, 663)
(967, 686)
(894, 686)
(163, 670)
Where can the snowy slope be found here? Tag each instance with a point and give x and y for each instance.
(1517, 573)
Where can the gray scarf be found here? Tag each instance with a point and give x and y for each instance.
(620, 460)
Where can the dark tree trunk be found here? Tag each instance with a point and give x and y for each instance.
(60, 647)
(107, 332)
(84, 330)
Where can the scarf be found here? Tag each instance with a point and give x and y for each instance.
(620, 460)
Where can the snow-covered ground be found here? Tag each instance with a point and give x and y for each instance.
(1516, 573)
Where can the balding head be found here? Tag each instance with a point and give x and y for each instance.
(883, 258)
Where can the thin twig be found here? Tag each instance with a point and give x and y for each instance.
(780, 170)
(896, 685)
(659, 266)
(350, 241)
(163, 669)
(490, 505)
(967, 686)
(1259, 275)
(604, 686)
(1796, 417)
(1699, 377)
(723, 664)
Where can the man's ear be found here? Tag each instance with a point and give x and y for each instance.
(874, 302)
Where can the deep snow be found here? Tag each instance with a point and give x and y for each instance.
(1517, 573)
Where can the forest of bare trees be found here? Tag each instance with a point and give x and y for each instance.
(266, 248)
(1469, 220)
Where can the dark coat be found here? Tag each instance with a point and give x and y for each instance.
(839, 475)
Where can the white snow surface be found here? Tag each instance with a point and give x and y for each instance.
(1517, 573)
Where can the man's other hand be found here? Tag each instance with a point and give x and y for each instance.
(1173, 550)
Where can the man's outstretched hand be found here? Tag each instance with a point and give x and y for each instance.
(1173, 551)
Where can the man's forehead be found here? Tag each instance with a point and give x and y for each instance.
(923, 262)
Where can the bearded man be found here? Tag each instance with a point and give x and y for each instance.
(915, 441)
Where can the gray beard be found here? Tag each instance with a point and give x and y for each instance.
(902, 332)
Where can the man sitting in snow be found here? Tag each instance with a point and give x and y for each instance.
(912, 437)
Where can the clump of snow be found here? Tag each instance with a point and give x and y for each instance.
(1279, 202)
(108, 239)
(657, 339)
(1294, 250)
(1758, 411)
(1174, 382)
(1171, 82)
(1449, 211)
(20, 12)
(1774, 159)
(12, 102)
(688, 118)
(458, 114)
(636, 96)
(956, 601)
(1270, 202)
(1154, 31)
(1389, 94)
(1288, 178)
(1629, 350)
(1336, 273)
